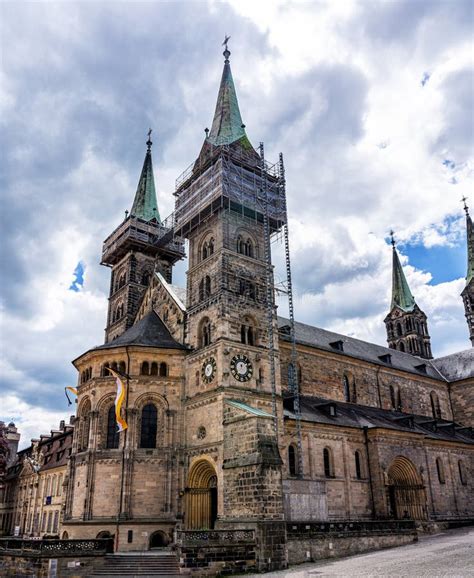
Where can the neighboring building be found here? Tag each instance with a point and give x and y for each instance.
(32, 499)
(218, 436)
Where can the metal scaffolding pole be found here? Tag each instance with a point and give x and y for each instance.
(293, 377)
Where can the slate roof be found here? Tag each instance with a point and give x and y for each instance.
(316, 410)
(149, 332)
(321, 339)
(145, 205)
(456, 366)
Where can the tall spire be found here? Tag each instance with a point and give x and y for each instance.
(401, 294)
(470, 244)
(144, 205)
(227, 126)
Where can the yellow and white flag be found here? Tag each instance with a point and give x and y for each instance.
(72, 390)
(121, 391)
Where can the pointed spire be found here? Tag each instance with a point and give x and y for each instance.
(401, 294)
(145, 206)
(470, 244)
(227, 126)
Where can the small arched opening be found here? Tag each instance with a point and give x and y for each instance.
(406, 492)
(201, 497)
(158, 540)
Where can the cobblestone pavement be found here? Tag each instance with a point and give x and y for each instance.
(449, 554)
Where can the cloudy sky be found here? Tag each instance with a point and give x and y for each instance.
(370, 102)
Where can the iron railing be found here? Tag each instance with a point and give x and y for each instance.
(54, 548)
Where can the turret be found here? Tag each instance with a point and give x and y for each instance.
(406, 323)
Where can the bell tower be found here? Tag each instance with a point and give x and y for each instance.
(468, 291)
(228, 204)
(139, 246)
(406, 324)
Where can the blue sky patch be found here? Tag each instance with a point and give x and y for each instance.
(443, 262)
(78, 280)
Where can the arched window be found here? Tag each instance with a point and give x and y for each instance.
(401, 346)
(440, 470)
(292, 461)
(399, 329)
(247, 288)
(154, 368)
(121, 367)
(112, 440)
(204, 336)
(357, 465)
(53, 486)
(435, 406)
(149, 426)
(247, 335)
(145, 370)
(328, 468)
(211, 246)
(249, 248)
(347, 388)
(204, 251)
(462, 475)
(240, 245)
(393, 399)
(163, 369)
(399, 400)
(60, 485)
(146, 278)
(114, 366)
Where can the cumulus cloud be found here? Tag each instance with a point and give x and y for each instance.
(337, 86)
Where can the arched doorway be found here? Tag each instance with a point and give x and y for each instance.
(201, 497)
(406, 492)
(65, 536)
(158, 540)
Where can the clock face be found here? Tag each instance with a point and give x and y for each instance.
(241, 367)
(208, 370)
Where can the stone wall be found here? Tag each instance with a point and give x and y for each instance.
(462, 398)
(308, 542)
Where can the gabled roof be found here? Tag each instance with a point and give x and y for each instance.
(145, 205)
(313, 409)
(456, 366)
(322, 339)
(401, 294)
(149, 332)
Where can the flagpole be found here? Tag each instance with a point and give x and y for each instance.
(117, 528)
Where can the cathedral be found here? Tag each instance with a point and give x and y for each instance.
(243, 424)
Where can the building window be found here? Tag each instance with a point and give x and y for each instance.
(60, 485)
(245, 246)
(462, 475)
(154, 368)
(146, 278)
(440, 470)
(347, 388)
(399, 400)
(357, 465)
(204, 336)
(50, 519)
(43, 522)
(112, 441)
(149, 426)
(393, 399)
(205, 288)
(435, 406)
(163, 369)
(292, 461)
(145, 370)
(328, 467)
(247, 335)
(247, 288)
(56, 522)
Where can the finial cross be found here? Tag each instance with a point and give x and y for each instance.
(466, 208)
(148, 142)
(392, 235)
(149, 133)
(226, 40)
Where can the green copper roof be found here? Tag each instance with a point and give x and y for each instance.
(227, 126)
(470, 248)
(401, 294)
(145, 206)
(248, 408)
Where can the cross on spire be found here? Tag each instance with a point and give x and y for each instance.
(226, 52)
(149, 141)
(392, 236)
(466, 208)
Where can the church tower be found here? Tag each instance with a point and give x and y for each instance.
(140, 245)
(406, 324)
(468, 291)
(228, 203)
